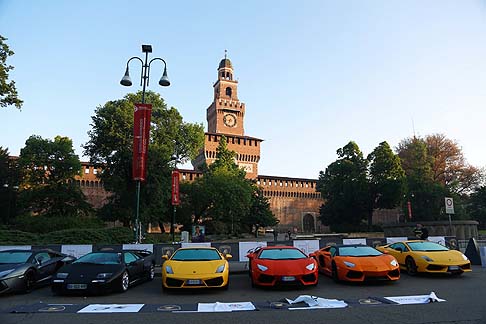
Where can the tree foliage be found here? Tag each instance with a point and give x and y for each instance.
(387, 179)
(8, 91)
(344, 188)
(47, 186)
(111, 146)
(476, 206)
(223, 199)
(436, 168)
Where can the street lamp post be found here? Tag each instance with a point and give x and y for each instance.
(175, 201)
(144, 82)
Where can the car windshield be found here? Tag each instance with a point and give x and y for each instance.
(426, 246)
(196, 255)
(282, 254)
(100, 258)
(358, 251)
(14, 256)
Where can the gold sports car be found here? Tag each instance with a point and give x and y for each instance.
(424, 256)
(195, 267)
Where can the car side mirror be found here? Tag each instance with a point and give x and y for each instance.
(165, 257)
(385, 252)
(228, 256)
(40, 260)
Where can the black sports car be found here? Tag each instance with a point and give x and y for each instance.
(104, 271)
(21, 270)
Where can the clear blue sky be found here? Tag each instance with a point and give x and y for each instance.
(313, 74)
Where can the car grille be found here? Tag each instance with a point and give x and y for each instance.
(309, 277)
(354, 274)
(394, 273)
(434, 267)
(466, 266)
(214, 282)
(266, 278)
(174, 282)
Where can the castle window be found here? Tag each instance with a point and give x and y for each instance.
(228, 91)
(95, 171)
(86, 171)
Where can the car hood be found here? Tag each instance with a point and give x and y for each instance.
(286, 267)
(442, 256)
(88, 271)
(371, 262)
(194, 267)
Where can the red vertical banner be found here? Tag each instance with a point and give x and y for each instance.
(176, 199)
(409, 206)
(141, 137)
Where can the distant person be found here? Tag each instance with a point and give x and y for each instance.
(198, 235)
(421, 232)
(289, 234)
(275, 235)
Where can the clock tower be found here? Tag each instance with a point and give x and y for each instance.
(226, 113)
(225, 116)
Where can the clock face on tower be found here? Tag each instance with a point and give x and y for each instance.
(229, 120)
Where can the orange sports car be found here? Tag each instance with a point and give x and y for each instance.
(281, 265)
(356, 263)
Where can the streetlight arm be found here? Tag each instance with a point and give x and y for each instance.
(164, 81)
(141, 72)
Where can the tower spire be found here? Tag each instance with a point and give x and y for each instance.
(225, 54)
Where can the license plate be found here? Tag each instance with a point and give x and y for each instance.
(193, 282)
(288, 278)
(77, 286)
(453, 268)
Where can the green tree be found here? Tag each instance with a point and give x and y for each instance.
(111, 146)
(47, 185)
(260, 214)
(8, 91)
(344, 188)
(476, 206)
(387, 179)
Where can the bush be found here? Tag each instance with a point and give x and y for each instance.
(43, 224)
(350, 228)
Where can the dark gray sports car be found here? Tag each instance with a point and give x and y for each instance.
(104, 271)
(21, 270)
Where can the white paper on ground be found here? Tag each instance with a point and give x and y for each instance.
(112, 308)
(419, 299)
(225, 307)
(15, 247)
(316, 302)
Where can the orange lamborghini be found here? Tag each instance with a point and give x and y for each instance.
(356, 263)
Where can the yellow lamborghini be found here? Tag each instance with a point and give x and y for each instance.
(424, 256)
(195, 267)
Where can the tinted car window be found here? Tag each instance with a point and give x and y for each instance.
(129, 257)
(14, 256)
(426, 246)
(358, 251)
(282, 254)
(100, 258)
(42, 257)
(196, 255)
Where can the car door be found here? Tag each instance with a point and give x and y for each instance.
(46, 265)
(399, 251)
(134, 265)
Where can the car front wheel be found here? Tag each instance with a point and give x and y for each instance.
(124, 282)
(411, 266)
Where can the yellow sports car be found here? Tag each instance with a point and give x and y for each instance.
(195, 267)
(424, 256)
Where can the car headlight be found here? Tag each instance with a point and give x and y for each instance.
(463, 256)
(5, 272)
(310, 266)
(262, 267)
(349, 264)
(169, 270)
(426, 258)
(394, 262)
(104, 275)
(220, 269)
(62, 275)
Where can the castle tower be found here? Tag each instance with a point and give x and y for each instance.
(225, 116)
